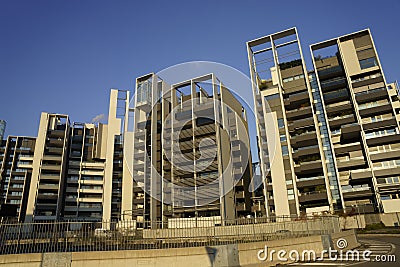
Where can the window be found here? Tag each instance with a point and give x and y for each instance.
(281, 124)
(285, 151)
(290, 194)
(283, 138)
(368, 63)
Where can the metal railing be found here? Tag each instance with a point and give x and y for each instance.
(176, 233)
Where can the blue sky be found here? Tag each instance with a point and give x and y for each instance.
(64, 56)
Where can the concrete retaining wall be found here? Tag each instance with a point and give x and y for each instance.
(362, 220)
(226, 255)
(329, 224)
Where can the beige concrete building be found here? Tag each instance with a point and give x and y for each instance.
(328, 138)
(292, 159)
(45, 201)
(362, 115)
(185, 138)
(85, 177)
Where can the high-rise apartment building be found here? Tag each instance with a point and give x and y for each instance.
(85, 176)
(292, 159)
(362, 115)
(16, 158)
(78, 167)
(329, 141)
(46, 193)
(328, 138)
(189, 151)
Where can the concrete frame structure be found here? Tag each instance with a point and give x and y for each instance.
(116, 171)
(291, 154)
(159, 113)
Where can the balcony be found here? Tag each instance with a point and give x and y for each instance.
(308, 167)
(240, 195)
(369, 95)
(385, 139)
(361, 208)
(341, 120)
(380, 108)
(301, 123)
(349, 191)
(56, 133)
(241, 207)
(341, 149)
(330, 72)
(302, 151)
(302, 97)
(333, 84)
(380, 124)
(360, 174)
(305, 139)
(351, 163)
(310, 181)
(390, 171)
(48, 186)
(298, 113)
(381, 155)
(336, 96)
(339, 107)
(313, 196)
(51, 167)
(55, 142)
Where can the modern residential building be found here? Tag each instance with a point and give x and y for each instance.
(85, 176)
(16, 158)
(362, 115)
(328, 139)
(185, 138)
(50, 163)
(292, 160)
(2, 129)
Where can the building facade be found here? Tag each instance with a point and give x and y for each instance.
(328, 141)
(328, 138)
(185, 138)
(16, 158)
(362, 115)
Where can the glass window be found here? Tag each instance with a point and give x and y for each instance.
(368, 63)
(283, 138)
(285, 151)
(281, 124)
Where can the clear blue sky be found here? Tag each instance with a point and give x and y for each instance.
(64, 56)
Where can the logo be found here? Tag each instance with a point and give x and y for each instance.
(341, 243)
